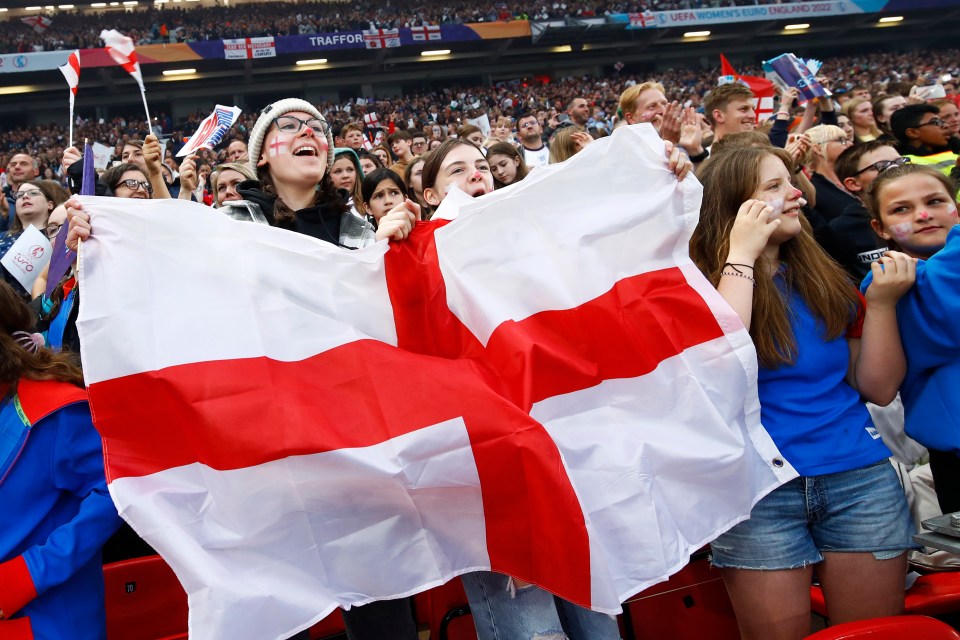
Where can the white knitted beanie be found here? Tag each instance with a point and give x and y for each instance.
(276, 110)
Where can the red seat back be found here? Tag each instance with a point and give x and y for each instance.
(144, 600)
(934, 594)
(894, 628)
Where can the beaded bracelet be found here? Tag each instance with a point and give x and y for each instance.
(739, 275)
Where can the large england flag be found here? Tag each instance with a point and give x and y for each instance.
(545, 386)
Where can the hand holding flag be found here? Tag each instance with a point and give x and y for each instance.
(71, 71)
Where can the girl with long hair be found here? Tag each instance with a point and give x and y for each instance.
(57, 512)
(820, 355)
(860, 113)
(506, 164)
(913, 208)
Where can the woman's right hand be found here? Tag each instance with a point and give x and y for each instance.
(397, 223)
(70, 155)
(751, 231)
(79, 221)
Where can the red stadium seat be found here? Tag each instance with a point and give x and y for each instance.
(144, 600)
(330, 626)
(893, 628)
(445, 610)
(684, 607)
(933, 594)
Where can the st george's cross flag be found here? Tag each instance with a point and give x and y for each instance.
(426, 33)
(381, 38)
(545, 386)
(121, 49)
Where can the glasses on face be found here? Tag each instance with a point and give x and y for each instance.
(843, 140)
(934, 121)
(52, 230)
(293, 125)
(33, 193)
(132, 184)
(882, 165)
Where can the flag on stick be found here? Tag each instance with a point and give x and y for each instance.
(40, 24)
(62, 256)
(211, 131)
(121, 49)
(71, 72)
(556, 396)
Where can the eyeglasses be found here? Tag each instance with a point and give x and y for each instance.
(293, 125)
(52, 230)
(935, 121)
(33, 193)
(132, 184)
(840, 140)
(882, 165)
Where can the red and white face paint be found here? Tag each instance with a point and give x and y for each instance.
(917, 212)
(295, 159)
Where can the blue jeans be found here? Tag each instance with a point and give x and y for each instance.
(530, 613)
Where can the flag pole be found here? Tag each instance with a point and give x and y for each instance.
(146, 109)
(71, 116)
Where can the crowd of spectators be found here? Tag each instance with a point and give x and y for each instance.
(451, 107)
(81, 29)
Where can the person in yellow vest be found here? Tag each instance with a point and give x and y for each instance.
(924, 138)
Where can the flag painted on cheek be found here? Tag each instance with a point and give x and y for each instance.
(545, 386)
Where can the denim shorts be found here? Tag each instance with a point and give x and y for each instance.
(853, 511)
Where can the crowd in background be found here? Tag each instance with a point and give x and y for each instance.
(77, 30)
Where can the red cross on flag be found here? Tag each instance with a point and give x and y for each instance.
(121, 49)
(545, 386)
(426, 33)
(381, 38)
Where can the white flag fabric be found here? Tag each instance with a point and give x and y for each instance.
(71, 72)
(545, 386)
(121, 49)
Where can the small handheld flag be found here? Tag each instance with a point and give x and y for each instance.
(121, 49)
(212, 130)
(71, 71)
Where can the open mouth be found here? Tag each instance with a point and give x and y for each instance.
(306, 151)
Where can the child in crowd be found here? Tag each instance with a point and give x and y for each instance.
(913, 208)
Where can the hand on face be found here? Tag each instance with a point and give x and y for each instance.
(398, 222)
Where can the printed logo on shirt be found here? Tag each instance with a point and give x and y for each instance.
(873, 433)
(867, 257)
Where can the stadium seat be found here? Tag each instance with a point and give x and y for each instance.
(690, 602)
(444, 609)
(933, 594)
(893, 628)
(329, 627)
(144, 600)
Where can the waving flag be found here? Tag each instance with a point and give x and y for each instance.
(121, 49)
(381, 38)
(212, 130)
(71, 72)
(40, 24)
(544, 386)
(762, 88)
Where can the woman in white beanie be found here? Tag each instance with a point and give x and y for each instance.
(291, 146)
(292, 149)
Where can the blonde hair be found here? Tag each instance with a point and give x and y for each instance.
(561, 145)
(243, 168)
(820, 135)
(630, 97)
(848, 110)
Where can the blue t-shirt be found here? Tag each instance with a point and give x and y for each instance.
(815, 418)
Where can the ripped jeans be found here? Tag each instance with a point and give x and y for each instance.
(530, 613)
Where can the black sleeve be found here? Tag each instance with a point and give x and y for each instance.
(779, 131)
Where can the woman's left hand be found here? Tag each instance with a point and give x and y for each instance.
(677, 161)
(399, 221)
(893, 275)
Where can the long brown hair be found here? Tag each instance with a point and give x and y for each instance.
(507, 149)
(17, 362)
(729, 179)
(283, 215)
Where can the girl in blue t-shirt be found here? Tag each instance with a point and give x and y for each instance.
(914, 209)
(820, 355)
